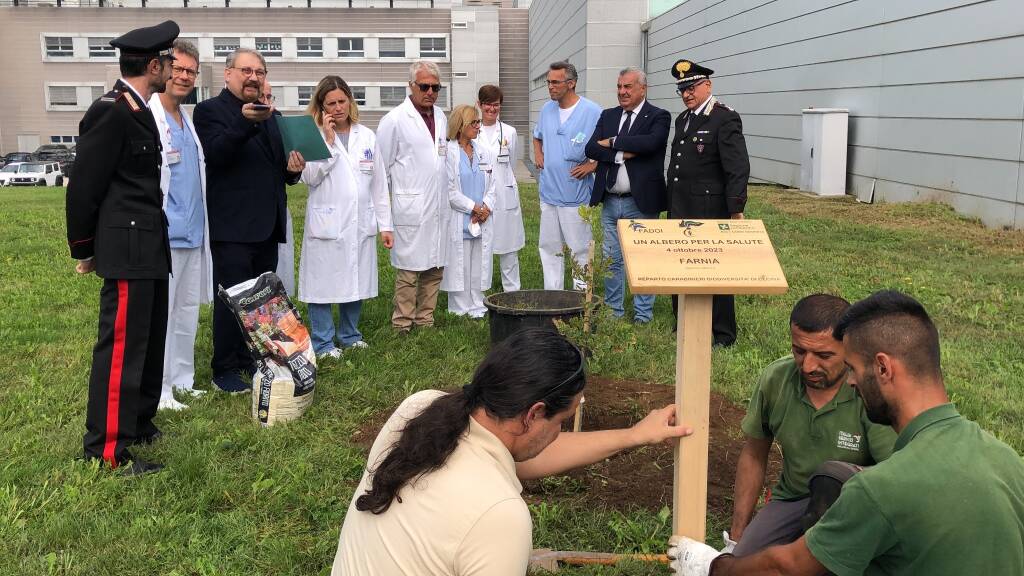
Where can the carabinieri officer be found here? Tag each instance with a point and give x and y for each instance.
(117, 228)
(707, 171)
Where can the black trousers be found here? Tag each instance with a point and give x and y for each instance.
(235, 262)
(127, 367)
(723, 318)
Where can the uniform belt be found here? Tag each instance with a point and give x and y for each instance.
(621, 195)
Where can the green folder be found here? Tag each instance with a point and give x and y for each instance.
(300, 133)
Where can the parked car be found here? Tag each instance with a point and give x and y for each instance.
(16, 157)
(56, 153)
(38, 174)
(7, 172)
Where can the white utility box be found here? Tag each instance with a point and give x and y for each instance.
(823, 151)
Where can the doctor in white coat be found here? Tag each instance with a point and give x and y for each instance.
(470, 229)
(183, 183)
(498, 141)
(348, 203)
(413, 146)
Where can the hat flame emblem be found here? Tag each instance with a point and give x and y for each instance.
(683, 66)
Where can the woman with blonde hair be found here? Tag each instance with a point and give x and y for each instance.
(471, 196)
(348, 203)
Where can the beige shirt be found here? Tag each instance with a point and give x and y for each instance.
(466, 519)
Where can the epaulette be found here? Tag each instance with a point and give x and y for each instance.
(110, 96)
(130, 101)
(720, 105)
(711, 106)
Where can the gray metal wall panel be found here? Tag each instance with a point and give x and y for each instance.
(935, 93)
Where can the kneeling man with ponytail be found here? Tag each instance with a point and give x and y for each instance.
(441, 492)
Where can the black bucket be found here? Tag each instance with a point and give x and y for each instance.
(512, 311)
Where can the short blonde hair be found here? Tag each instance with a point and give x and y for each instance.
(330, 84)
(460, 117)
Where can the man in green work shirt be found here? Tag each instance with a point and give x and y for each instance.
(801, 403)
(950, 500)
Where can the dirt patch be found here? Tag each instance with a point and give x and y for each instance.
(636, 478)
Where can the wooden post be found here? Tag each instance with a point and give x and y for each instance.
(588, 295)
(693, 398)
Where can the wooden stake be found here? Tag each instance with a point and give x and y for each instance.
(588, 294)
(693, 398)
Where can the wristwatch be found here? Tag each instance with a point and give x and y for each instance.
(611, 142)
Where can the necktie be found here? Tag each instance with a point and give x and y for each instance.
(613, 173)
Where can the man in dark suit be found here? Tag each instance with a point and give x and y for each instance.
(629, 144)
(708, 171)
(117, 228)
(246, 172)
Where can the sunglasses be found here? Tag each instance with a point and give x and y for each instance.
(573, 377)
(689, 89)
(428, 87)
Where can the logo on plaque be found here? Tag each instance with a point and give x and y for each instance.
(688, 225)
(723, 226)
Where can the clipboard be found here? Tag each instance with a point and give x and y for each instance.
(301, 133)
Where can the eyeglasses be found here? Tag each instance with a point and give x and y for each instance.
(428, 87)
(182, 71)
(557, 82)
(474, 122)
(689, 89)
(268, 99)
(259, 72)
(572, 378)
(490, 104)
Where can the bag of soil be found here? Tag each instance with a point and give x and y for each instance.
(282, 387)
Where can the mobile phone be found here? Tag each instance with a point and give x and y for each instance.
(258, 106)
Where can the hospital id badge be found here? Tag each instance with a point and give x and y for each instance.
(366, 166)
(173, 156)
(442, 149)
(503, 155)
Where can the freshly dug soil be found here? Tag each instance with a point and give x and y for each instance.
(636, 478)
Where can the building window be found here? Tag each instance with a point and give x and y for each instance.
(63, 96)
(63, 139)
(101, 48)
(269, 47)
(223, 47)
(97, 92)
(59, 46)
(433, 47)
(392, 48)
(442, 98)
(305, 95)
(392, 95)
(359, 94)
(350, 48)
(309, 47)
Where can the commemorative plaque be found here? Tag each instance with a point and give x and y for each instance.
(697, 259)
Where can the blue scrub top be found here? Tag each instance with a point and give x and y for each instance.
(473, 181)
(564, 146)
(185, 196)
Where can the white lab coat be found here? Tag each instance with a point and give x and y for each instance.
(460, 205)
(509, 235)
(160, 115)
(418, 181)
(348, 203)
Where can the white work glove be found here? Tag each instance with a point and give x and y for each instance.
(689, 557)
(730, 544)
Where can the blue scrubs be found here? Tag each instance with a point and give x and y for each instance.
(185, 196)
(563, 146)
(473, 183)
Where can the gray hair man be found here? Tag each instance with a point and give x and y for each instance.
(413, 147)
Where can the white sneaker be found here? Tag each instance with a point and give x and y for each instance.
(333, 353)
(359, 344)
(171, 404)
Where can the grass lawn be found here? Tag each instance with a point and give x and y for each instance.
(237, 499)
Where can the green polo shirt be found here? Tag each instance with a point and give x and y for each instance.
(950, 501)
(840, 430)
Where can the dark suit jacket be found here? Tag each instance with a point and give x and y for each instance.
(245, 172)
(114, 206)
(647, 138)
(709, 167)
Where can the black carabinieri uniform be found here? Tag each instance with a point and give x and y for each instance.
(707, 178)
(115, 215)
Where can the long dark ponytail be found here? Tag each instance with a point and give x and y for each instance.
(530, 366)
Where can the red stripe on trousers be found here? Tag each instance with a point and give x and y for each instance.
(116, 367)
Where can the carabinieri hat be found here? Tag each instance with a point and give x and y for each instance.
(152, 40)
(688, 73)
